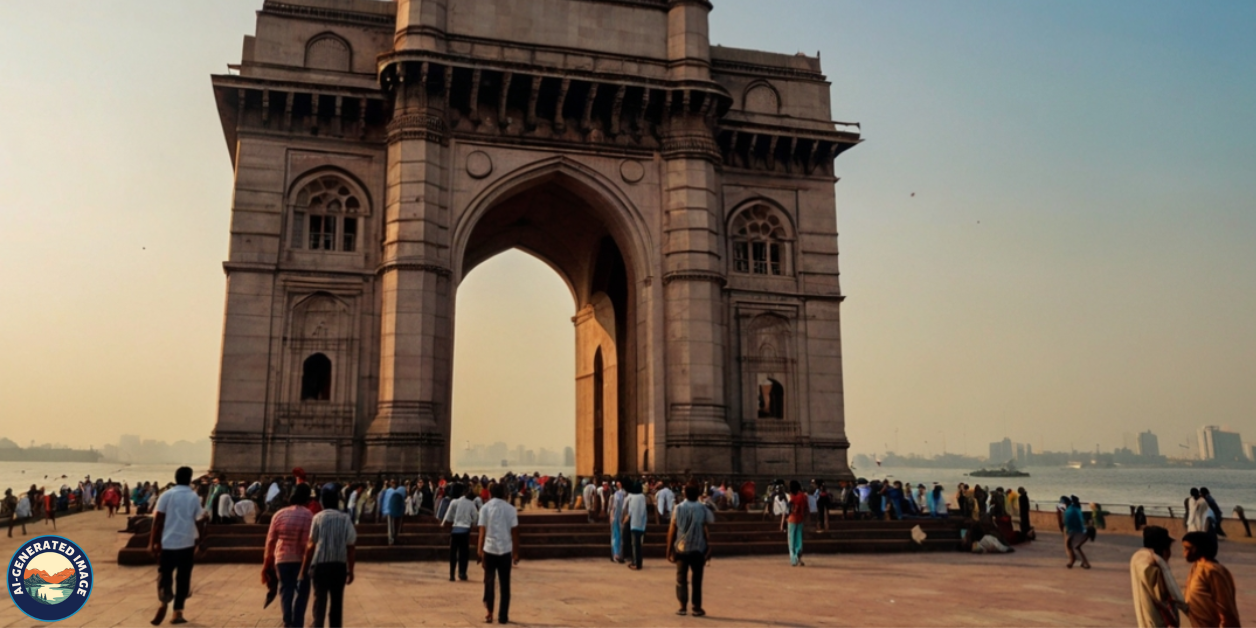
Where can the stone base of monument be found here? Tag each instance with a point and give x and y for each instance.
(550, 535)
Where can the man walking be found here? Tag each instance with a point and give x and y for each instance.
(1157, 598)
(178, 530)
(285, 549)
(498, 549)
(799, 508)
(329, 559)
(461, 514)
(688, 548)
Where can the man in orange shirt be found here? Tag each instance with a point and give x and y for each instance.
(1209, 587)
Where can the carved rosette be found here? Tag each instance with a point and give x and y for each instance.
(425, 127)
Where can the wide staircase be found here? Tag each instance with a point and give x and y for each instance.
(547, 534)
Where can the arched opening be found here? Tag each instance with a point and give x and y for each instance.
(558, 221)
(771, 399)
(316, 378)
(513, 378)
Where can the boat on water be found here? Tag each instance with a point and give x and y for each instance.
(1009, 471)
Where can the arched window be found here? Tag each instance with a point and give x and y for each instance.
(316, 378)
(325, 216)
(771, 399)
(761, 237)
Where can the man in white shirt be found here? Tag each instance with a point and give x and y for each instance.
(178, 528)
(588, 496)
(498, 548)
(666, 502)
(462, 514)
(224, 506)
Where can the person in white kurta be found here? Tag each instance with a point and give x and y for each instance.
(1157, 597)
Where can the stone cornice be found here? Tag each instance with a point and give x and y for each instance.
(720, 66)
(695, 275)
(424, 267)
(328, 15)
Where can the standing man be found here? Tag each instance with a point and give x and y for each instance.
(1209, 587)
(688, 548)
(329, 559)
(1157, 598)
(589, 496)
(665, 501)
(799, 508)
(1023, 504)
(498, 549)
(396, 510)
(1247, 527)
(285, 549)
(616, 511)
(21, 509)
(462, 514)
(635, 517)
(178, 530)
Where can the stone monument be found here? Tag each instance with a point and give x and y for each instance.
(684, 192)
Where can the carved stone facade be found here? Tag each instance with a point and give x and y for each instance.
(683, 191)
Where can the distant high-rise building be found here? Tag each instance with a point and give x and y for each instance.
(569, 457)
(1148, 445)
(1220, 445)
(1021, 458)
(1001, 452)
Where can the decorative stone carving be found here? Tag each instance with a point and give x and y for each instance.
(631, 170)
(479, 164)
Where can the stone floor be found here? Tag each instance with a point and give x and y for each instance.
(1028, 588)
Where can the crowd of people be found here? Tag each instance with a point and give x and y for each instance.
(36, 503)
(309, 551)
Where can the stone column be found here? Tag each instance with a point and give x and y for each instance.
(698, 435)
(421, 25)
(409, 432)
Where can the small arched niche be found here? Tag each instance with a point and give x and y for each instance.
(761, 97)
(328, 51)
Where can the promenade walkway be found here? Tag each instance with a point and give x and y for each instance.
(1028, 588)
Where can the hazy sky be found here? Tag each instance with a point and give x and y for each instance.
(1079, 259)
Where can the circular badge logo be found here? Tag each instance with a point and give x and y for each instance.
(49, 578)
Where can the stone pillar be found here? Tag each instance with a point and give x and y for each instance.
(698, 435)
(688, 40)
(410, 431)
(421, 25)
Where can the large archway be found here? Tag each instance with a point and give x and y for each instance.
(557, 218)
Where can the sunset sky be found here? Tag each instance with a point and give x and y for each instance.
(1049, 232)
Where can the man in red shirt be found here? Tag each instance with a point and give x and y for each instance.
(285, 548)
(799, 508)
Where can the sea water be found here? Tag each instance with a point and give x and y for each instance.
(20, 475)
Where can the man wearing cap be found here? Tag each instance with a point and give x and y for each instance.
(1157, 597)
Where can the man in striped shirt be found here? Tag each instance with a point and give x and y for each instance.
(285, 548)
(329, 559)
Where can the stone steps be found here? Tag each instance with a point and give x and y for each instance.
(554, 536)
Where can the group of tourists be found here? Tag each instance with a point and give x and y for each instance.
(45, 504)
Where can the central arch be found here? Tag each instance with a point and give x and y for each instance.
(574, 222)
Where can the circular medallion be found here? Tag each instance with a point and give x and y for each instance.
(49, 578)
(631, 170)
(479, 164)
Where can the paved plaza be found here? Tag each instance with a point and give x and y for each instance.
(1028, 588)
